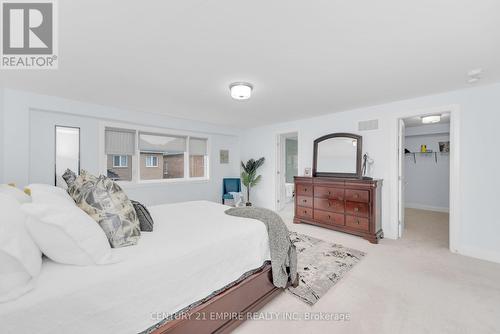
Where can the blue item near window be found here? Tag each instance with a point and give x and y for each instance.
(230, 185)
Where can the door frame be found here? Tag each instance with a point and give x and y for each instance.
(455, 184)
(401, 176)
(278, 154)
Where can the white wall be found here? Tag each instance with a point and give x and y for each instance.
(480, 117)
(427, 182)
(28, 134)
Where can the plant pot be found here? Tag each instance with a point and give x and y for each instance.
(248, 204)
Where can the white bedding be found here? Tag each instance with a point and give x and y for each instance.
(194, 250)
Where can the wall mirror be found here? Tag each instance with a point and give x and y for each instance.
(338, 154)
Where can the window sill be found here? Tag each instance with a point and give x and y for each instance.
(154, 183)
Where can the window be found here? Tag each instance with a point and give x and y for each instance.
(167, 149)
(67, 152)
(120, 161)
(198, 157)
(151, 161)
(119, 149)
(135, 155)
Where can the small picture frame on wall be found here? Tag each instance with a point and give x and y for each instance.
(307, 172)
(224, 156)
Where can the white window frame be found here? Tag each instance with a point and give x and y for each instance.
(120, 156)
(153, 158)
(136, 157)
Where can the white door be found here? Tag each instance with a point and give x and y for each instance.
(401, 168)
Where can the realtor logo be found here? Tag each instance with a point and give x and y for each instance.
(28, 35)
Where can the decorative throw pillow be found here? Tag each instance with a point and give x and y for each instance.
(83, 178)
(20, 257)
(145, 220)
(69, 177)
(104, 201)
(12, 191)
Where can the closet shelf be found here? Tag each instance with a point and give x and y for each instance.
(414, 154)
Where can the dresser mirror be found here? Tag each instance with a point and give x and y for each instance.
(338, 154)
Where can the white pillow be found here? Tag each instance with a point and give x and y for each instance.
(19, 195)
(68, 235)
(50, 195)
(20, 257)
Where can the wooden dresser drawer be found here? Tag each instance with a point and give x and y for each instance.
(357, 209)
(329, 192)
(303, 189)
(357, 195)
(302, 212)
(304, 201)
(326, 217)
(348, 205)
(357, 223)
(329, 205)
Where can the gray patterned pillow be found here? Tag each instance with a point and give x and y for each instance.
(69, 176)
(145, 220)
(104, 201)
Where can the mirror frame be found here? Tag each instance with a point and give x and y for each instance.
(358, 155)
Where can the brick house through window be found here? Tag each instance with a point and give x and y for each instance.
(119, 167)
(173, 166)
(148, 168)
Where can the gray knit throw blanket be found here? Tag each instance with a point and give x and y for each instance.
(283, 253)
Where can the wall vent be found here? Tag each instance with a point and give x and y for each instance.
(368, 125)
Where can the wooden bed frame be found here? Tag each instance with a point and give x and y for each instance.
(227, 310)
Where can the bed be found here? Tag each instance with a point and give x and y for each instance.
(194, 251)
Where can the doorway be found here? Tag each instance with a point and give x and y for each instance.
(424, 168)
(286, 170)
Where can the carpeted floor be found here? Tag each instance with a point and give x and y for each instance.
(412, 285)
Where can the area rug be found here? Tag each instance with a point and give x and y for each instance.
(321, 265)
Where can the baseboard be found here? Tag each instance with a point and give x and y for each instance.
(426, 207)
(479, 254)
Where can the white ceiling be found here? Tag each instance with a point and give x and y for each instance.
(304, 58)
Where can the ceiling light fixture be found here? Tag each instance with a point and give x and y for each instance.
(431, 119)
(241, 90)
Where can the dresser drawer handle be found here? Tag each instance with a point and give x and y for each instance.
(304, 200)
(305, 189)
(357, 222)
(356, 210)
(329, 193)
(305, 212)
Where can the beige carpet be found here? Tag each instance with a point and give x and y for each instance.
(412, 285)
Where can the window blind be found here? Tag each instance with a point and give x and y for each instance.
(119, 141)
(197, 146)
(149, 142)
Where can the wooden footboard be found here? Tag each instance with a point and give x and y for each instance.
(227, 310)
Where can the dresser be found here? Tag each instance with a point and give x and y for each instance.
(346, 205)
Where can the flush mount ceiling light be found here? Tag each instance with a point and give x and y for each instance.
(431, 119)
(241, 90)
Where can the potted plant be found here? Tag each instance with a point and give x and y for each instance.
(249, 176)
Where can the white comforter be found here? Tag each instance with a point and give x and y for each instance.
(194, 250)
